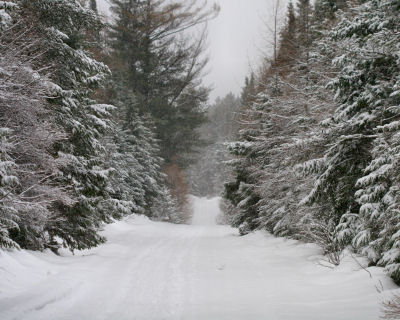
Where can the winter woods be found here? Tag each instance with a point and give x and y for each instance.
(84, 137)
(316, 157)
(100, 121)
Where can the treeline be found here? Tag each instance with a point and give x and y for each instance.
(318, 152)
(96, 121)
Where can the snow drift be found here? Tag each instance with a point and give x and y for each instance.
(150, 270)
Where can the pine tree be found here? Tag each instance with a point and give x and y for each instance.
(134, 151)
(8, 179)
(162, 67)
(325, 10)
(304, 14)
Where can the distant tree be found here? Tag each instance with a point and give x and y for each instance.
(304, 19)
(208, 174)
(248, 90)
(179, 193)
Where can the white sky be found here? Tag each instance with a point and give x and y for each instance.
(236, 38)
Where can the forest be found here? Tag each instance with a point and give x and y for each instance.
(97, 121)
(102, 119)
(317, 153)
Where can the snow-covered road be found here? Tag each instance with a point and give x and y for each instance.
(160, 271)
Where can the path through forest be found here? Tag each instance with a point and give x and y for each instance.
(204, 271)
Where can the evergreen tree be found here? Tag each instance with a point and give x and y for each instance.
(162, 67)
(368, 89)
(248, 91)
(8, 214)
(303, 23)
(30, 170)
(74, 77)
(287, 48)
(241, 192)
(134, 152)
(279, 132)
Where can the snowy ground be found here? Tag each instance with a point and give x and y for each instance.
(158, 271)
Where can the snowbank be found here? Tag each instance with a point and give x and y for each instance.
(157, 271)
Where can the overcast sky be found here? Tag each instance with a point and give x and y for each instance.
(236, 37)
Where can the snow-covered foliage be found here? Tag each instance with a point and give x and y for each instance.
(279, 131)
(368, 90)
(66, 166)
(75, 75)
(8, 215)
(318, 155)
(29, 176)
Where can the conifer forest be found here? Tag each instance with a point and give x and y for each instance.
(129, 191)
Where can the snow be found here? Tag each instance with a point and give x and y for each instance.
(205, 211)
(151, 270)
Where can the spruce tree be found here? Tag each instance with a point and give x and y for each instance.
(370, 82)
(64, 27)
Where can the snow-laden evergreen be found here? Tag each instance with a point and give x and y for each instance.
(318, 151)
(74, 77)
(67, 163)
(279, 131)
(30, 183)
(370, 112)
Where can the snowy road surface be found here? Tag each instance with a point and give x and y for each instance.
(158, 271)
